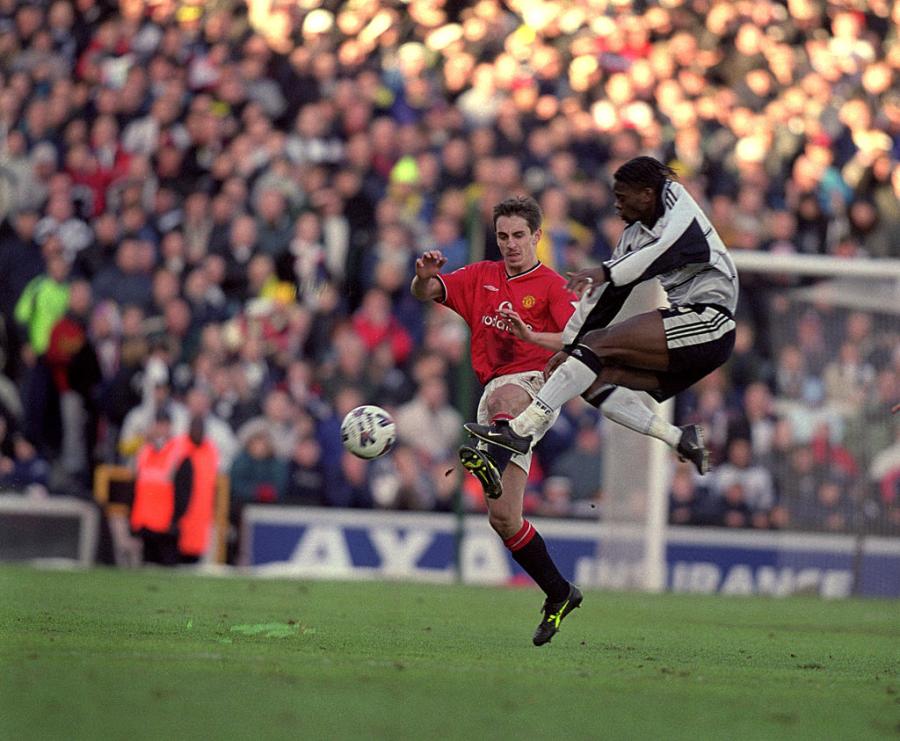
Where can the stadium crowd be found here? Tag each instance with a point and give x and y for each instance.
(213, 209)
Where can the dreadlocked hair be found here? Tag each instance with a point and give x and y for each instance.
(645, 172)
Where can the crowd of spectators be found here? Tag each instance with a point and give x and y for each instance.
(214, 208)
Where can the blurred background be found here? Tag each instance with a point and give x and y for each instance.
(211, 211)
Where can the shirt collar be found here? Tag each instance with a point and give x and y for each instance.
(520, 275)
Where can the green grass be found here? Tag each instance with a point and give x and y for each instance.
(131, 655)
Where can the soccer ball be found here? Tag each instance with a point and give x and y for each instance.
(368, 431)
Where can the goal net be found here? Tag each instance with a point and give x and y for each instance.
(807, 450)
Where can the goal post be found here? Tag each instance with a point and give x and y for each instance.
(631, 547)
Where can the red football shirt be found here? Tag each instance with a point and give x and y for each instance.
(477, 291)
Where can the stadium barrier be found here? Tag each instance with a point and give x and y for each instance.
(62, 529)
(114, 491)
(352, 544)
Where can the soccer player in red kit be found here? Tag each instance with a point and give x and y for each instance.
(488, 295)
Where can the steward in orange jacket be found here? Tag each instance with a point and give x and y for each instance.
(195, 525)
(162, 491)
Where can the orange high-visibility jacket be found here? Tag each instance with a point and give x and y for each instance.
(194, 526)
(154, 486)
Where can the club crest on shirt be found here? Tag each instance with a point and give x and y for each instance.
(527, 301)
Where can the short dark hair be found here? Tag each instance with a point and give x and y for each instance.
(524, 206)
(645, 172)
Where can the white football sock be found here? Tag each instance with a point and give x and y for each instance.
(625, 407)
(572, 378)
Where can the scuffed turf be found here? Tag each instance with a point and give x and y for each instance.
(148, 655)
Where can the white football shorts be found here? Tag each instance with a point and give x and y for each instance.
(531, 382)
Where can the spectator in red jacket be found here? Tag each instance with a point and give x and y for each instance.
(375, 323)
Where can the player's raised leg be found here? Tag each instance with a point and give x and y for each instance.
(627, 408)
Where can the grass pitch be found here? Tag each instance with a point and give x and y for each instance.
(154, 655)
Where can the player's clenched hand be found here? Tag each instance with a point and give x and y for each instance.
(554, 363)
(585, 280)
(516, 324)
(430, 264)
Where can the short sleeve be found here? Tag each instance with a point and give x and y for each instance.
(458, 290)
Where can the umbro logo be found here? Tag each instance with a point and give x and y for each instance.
(490, 287)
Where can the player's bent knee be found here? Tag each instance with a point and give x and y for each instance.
(584, 354)
(507, 399)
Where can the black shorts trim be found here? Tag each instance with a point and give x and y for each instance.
(689, 363)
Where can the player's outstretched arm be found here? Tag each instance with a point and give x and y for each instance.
(425, 285)
(549, 340)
